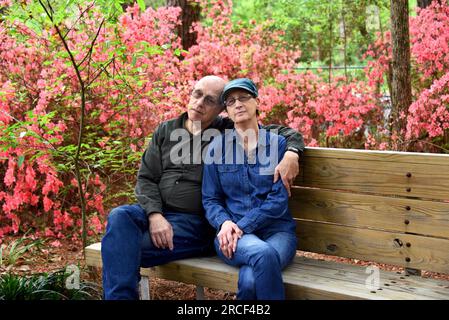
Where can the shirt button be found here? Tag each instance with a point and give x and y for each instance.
(176, 182)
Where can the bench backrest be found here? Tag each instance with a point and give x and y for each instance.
(387, 207)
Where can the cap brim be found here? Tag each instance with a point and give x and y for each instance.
(227, 91)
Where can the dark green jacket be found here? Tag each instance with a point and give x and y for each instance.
(166, 186)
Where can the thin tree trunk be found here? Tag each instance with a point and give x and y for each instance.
(84, 84)
(190, 13)
(331, 41)
(401, 94)
(345, 41)
(390, 71)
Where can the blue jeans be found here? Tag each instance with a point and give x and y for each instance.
(127, 246)
(261, 260)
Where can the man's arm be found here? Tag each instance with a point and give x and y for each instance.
(288, 168)
(148, 195)
(148, 177)
(293, 137)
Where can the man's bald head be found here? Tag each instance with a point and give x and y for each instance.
(214, 82)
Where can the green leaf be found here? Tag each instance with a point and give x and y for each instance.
(20, 162)
(141, 4)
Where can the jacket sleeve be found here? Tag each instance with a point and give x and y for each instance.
(213, 195)
(150, 172)
(293, 137)
(272, 208)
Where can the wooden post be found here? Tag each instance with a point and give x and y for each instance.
(145, 288)
(200, 293)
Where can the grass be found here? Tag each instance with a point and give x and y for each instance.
(46, 286)
(10, 253)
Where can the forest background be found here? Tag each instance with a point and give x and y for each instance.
(84, 84)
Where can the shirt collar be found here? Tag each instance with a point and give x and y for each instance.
(263, 139)
(181, 121)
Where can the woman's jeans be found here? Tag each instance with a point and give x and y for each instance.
(127, 246)
(261, 260)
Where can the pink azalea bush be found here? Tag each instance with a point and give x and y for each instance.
(138, 75)
(428, 119)
(40, 112)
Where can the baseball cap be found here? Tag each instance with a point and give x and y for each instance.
(241, 83)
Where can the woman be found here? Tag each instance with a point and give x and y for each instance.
(250, 213)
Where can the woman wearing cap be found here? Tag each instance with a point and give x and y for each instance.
(250, 213)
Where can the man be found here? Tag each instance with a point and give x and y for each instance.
(168, 223)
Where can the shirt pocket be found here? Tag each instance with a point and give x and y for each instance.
(229, 175)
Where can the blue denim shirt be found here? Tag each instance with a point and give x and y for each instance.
(240, 188)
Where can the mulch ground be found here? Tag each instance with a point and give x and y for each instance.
(48, 259)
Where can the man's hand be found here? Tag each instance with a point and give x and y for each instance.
(228, 236)
(288, 169)
(161, 231)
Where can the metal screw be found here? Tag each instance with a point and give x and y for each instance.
(407, 259)
(408, 189)
(408, 208)
(409, 174)
(408, 244)
(406, 221)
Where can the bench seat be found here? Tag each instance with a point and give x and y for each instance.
(381, 206)
(305, 278)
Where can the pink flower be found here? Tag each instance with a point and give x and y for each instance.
(56, 244)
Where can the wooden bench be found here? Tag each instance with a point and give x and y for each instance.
(385, 207)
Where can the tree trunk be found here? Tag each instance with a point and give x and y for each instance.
(401, 95)
(345, 40)
(190, 13)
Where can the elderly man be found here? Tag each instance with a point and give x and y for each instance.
(168, 223)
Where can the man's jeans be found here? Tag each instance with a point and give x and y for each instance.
(127, 246)
(261, 260)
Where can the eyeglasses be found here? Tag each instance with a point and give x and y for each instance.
(231, 101)
(208, 100)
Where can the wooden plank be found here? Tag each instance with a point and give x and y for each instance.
(378, 177)
(304, 279)
(206, 272)
(411, 251)
(331, 280)
(93, 255)
(429, 218)
(376, 155)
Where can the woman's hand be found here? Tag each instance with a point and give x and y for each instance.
(228, 236)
